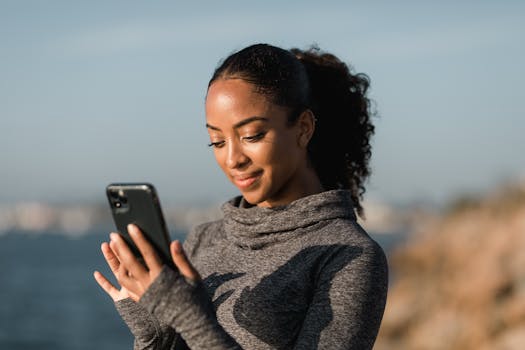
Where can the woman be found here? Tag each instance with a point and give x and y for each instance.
(287, 267)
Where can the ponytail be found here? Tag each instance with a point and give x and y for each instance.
(340, 148)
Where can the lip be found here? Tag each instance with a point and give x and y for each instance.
(244, 181)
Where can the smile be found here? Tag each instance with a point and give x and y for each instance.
(244, 181)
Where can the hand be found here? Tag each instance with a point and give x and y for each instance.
(133, 276)
(113, 262)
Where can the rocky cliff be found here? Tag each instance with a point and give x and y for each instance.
(460, 284)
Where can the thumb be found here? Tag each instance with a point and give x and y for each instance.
(181, 261)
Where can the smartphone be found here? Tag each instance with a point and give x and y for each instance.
(139, 204)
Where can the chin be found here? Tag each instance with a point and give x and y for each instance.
(254, 200)
(253, 197)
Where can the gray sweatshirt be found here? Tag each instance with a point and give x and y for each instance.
(300, 276)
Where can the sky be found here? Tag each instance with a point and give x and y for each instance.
(93, 92)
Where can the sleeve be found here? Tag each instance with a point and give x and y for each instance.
(149, 333)
(186, 306)
(348, 301)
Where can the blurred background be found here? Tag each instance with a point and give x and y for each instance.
(111, 91)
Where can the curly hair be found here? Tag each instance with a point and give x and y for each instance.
(340, 148)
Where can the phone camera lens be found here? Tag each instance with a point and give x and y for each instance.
(124, 200)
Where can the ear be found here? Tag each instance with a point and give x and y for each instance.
(306, 128)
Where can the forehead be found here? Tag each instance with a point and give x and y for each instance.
(234, 96)
(232, 103)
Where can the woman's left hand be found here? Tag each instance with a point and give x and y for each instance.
(132, 274)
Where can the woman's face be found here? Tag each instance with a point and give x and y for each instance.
(263, 156)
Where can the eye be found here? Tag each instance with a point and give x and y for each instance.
(255, 137)
(216, 144)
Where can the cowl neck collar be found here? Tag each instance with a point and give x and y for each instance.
(254, 227)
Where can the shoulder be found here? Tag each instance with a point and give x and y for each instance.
(350, 242)
(345, 231)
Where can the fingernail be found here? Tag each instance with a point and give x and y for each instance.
(113, 236)
(131, 228)
(178, 248)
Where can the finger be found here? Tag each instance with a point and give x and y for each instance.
(106, 285)
(181, 261)
(110, 257)
(124, 277)
(147, 251)
(113, 248)
(128, 261)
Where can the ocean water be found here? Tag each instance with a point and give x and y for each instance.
(50, 300)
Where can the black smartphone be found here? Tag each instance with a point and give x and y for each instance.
(139, 204)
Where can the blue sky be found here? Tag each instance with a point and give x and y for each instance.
(99, 91)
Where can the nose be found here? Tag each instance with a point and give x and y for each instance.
(236, 157)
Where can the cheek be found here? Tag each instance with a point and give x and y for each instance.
(262, 154)
(274, 156)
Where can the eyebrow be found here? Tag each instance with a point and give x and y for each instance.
(241, 123)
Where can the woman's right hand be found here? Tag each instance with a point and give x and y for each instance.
(113, 262)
